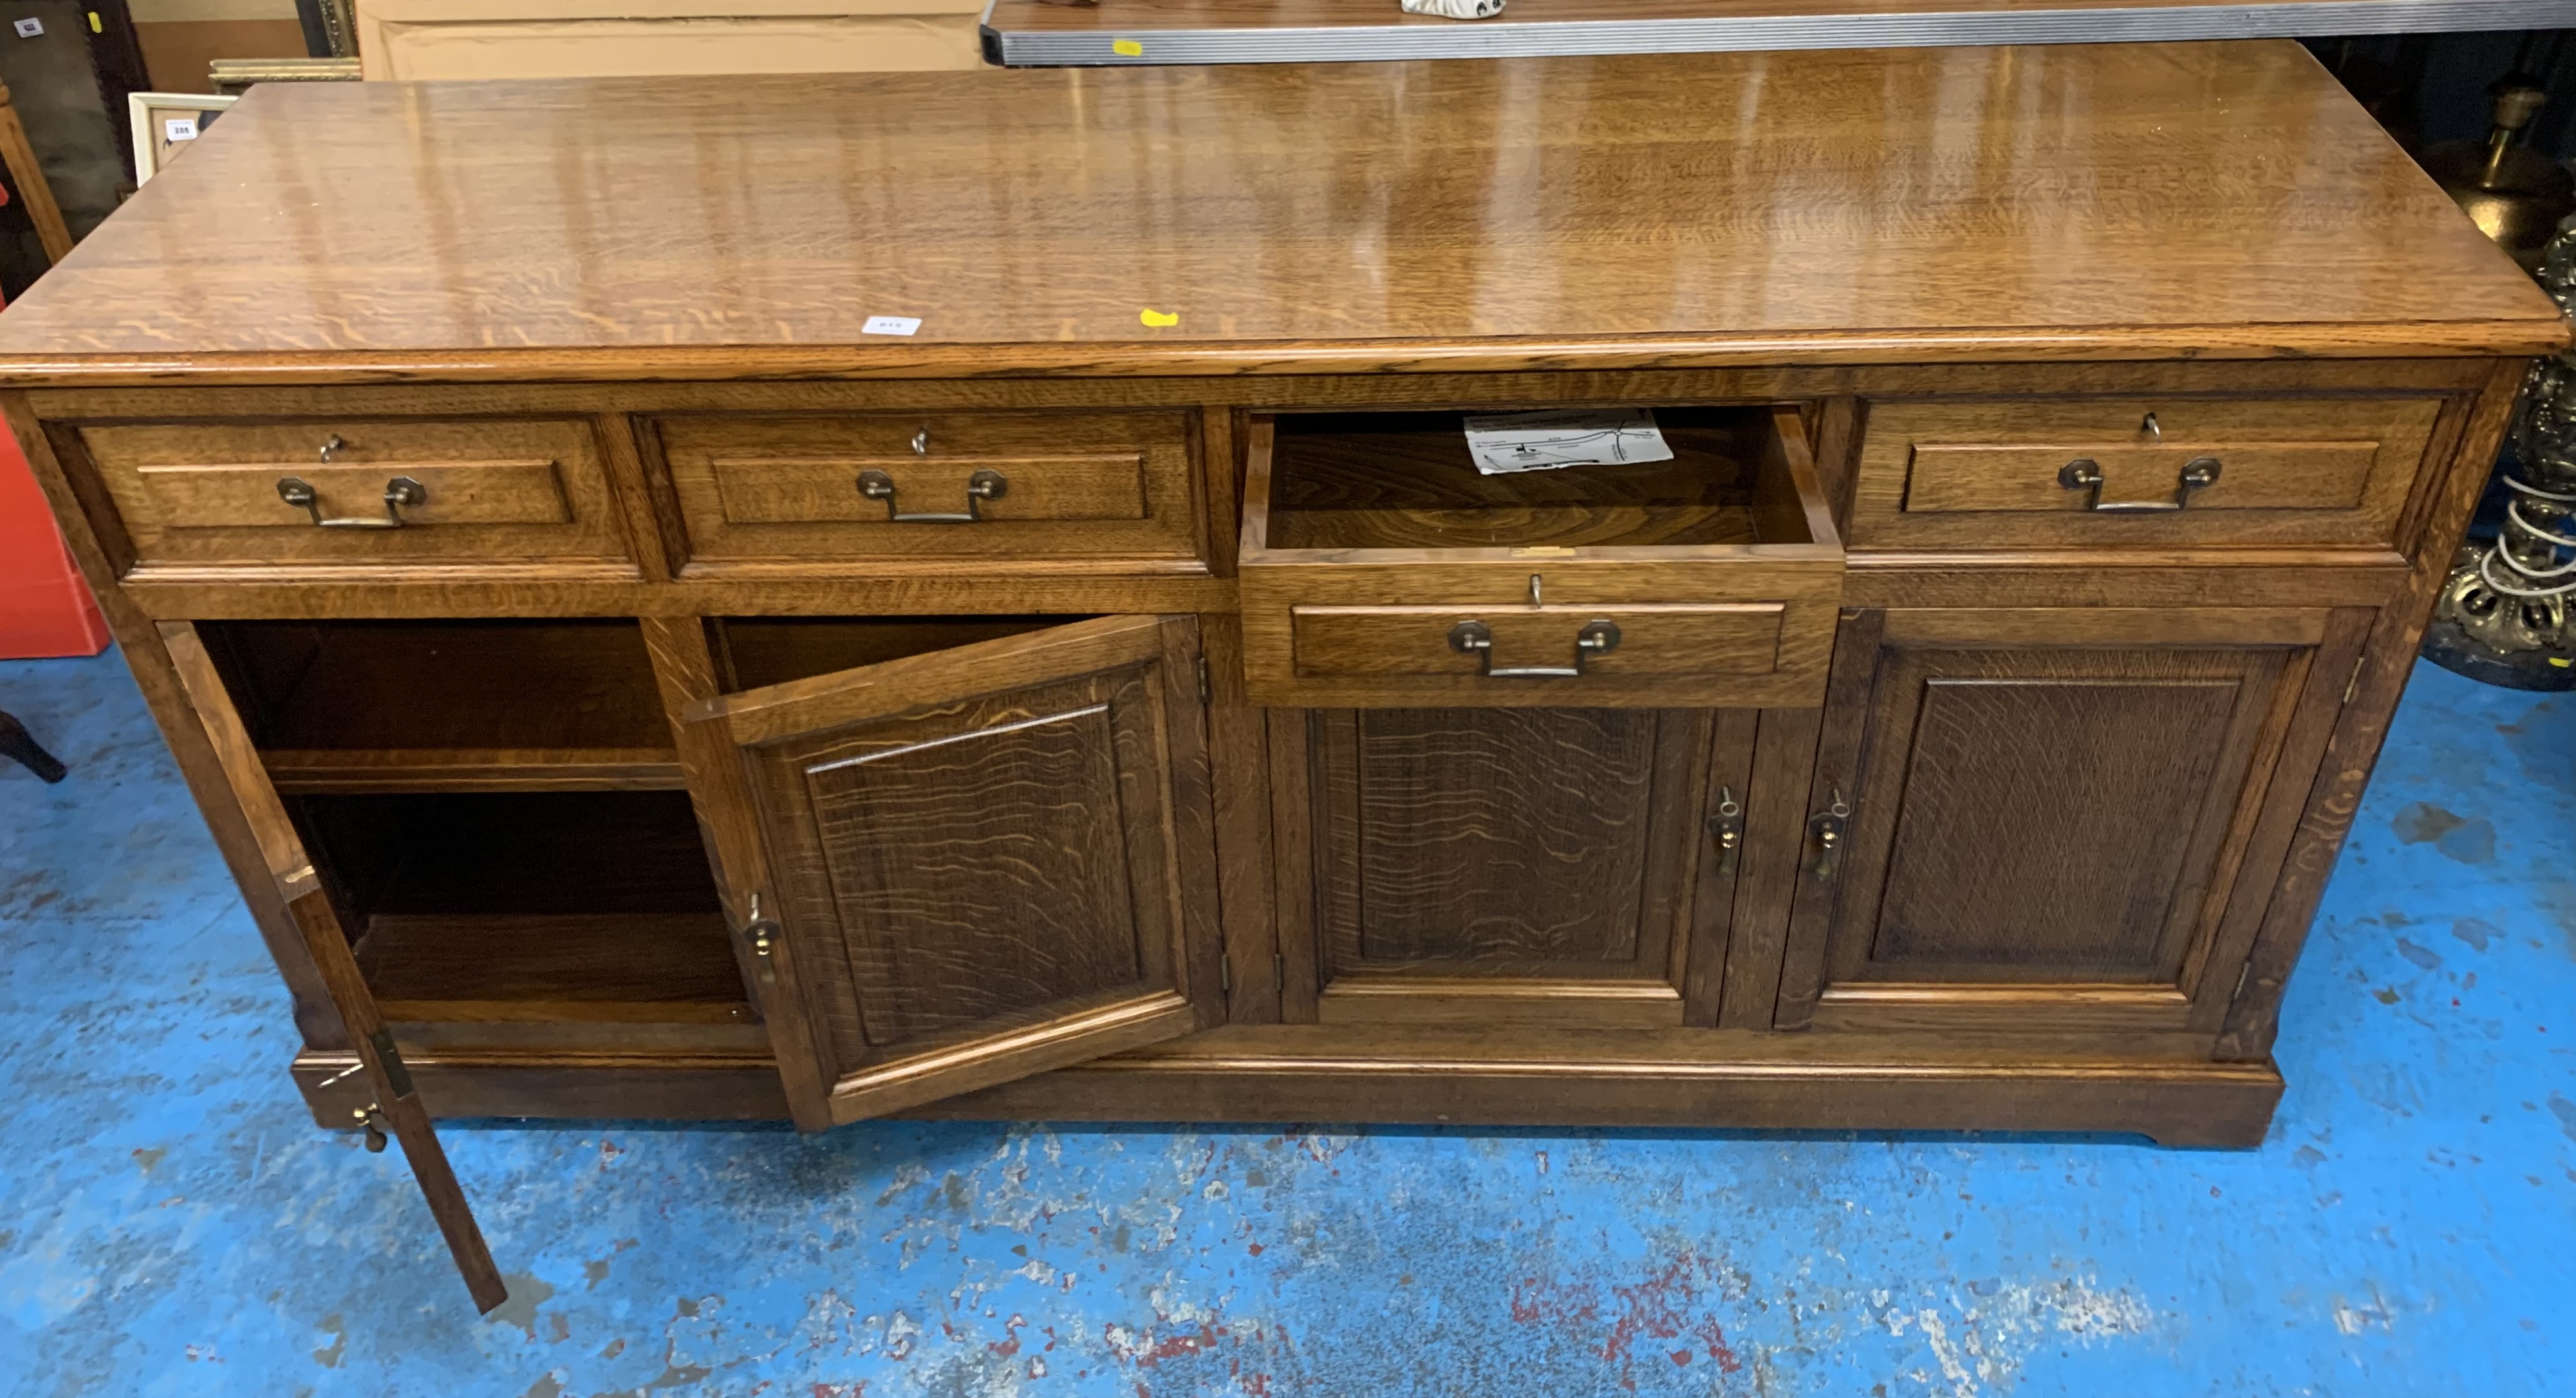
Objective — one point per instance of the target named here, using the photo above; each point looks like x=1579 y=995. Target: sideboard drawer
x=900 y=488
x=1379 y=570
x=2096 y=473
x=332 y=493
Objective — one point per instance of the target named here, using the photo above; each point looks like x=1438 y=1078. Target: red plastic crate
x=45 y=608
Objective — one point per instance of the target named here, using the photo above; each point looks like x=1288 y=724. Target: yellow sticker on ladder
x=1158 y=319
x=1126 y=48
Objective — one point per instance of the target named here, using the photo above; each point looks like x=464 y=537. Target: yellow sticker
x=94 y=26
x=1157 y=318
x=1126 y=48
x=2559 y=661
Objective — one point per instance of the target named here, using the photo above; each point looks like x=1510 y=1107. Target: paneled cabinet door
x=397 y=1108
x=2059 y=820
x=972 y=865
x=1535 y=865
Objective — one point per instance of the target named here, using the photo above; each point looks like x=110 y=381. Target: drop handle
x=1829 y=828
x=980 y=487
x=1477 y=639
x=2085 y=474
x=1727 y=828
x=399 y=492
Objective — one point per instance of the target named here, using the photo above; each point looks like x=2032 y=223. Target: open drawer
x=1380 y=569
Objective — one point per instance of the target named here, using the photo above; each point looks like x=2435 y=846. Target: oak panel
x=1405 y=480
x=1501 y=1074
x=1459 y=865
x=1986 y=474
x=1071 y=485
x=552 y=968
x=394 y=1095
x=503 y=491
x=2057 y=883
x=2051 y=815
x=957 y=910
x=486 y=704
x=991 y=860
x=1504 y=835
x=1670 y=639
x=1350 y=617
x=2176 y=200
x=457 y=492
x=1048 y=489
x=2370 y=698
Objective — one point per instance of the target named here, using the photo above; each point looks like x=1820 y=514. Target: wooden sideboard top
x=2072 y=202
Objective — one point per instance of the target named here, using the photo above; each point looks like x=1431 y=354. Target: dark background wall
x=2430 y=88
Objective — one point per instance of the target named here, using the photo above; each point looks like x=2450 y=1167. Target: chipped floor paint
x=173 y=1223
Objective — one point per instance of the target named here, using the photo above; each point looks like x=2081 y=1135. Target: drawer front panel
x=880 y=489
x=2089 y=473
x=1721 y=634
x=503 y=491
x=1666 y=640
x=1035 y=488
x=452 y=492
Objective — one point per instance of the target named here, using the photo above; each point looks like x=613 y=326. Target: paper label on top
x=179 y=128
x=30 y=28
x=890 y=325
x=1501 y=443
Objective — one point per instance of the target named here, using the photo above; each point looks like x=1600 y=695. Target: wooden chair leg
x=29 y=176
x=16 y=742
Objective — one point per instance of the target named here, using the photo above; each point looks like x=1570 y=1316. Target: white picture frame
x=154 y=118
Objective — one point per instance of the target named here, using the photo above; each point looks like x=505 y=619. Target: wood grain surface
x=2327 y=471
x=1073 y=485
x=957 y=908
x=2076 y=201
x=2054 y=814
x=1487 y=835
x=989 y=860
x=1405 y=480
x=396 y=1094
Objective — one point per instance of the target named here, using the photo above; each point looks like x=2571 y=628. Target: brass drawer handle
x=981 y=486
x=400 y=491
x=1477 y=639
x=2085 y=474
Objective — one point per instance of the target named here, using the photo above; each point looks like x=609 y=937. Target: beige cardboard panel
x=557 y=40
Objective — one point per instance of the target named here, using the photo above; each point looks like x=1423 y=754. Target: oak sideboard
x=965 y=594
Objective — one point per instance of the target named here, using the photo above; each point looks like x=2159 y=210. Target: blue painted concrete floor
x=172 y=1223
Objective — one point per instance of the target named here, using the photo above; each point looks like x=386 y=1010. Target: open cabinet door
x=397 y=1103
x=971 y=865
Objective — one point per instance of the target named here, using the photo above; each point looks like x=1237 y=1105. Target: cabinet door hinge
x=1279 y=973
x=1206 y=693
x=2353 y=685
x=2243 y=974
x=1225 y=976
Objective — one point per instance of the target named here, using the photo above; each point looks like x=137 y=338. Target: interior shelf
x=388 y=706
x=656 y=968
x=762 y=651
x=1405 y=480
x=530 y=907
